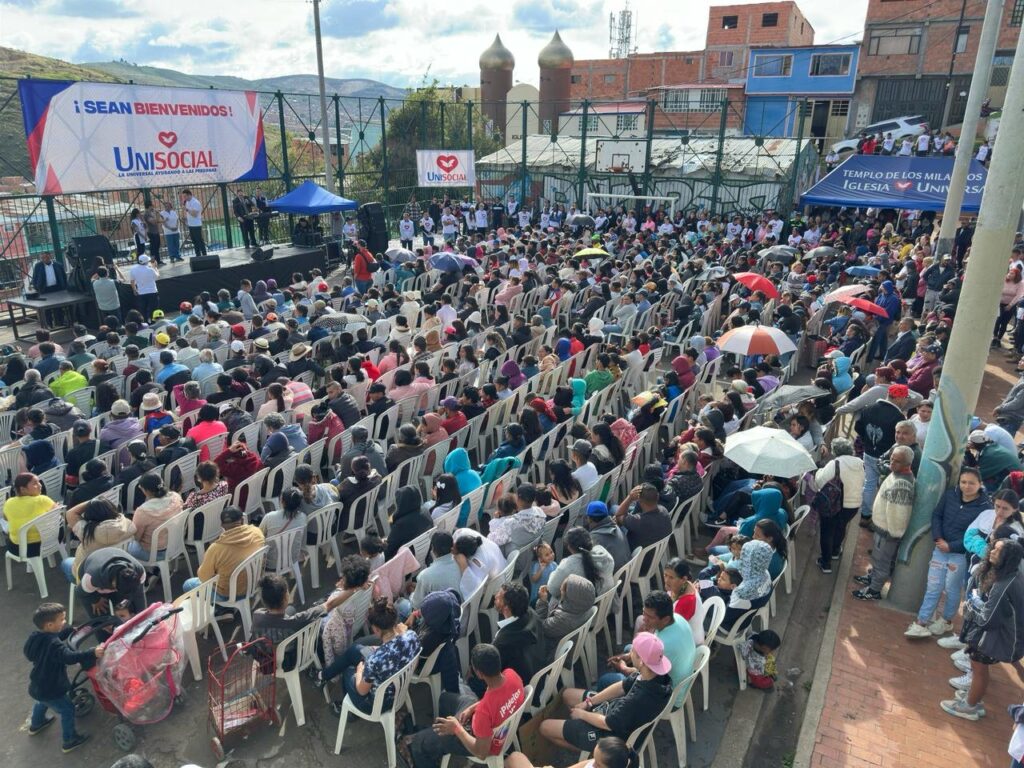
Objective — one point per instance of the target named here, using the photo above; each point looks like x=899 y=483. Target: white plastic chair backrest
x=53 y=481
x=185 y=470
x=420 y=546
x=650 y=559
x=549 y=675
x=198 y=604
x=304 y=643
x=320 y=523
x=712 y=614
x=48 y=526
x=250 y=490
x=170 y=537
x=577 y=635
x=283 y=545
x=507 y=730
x=449 y=520
x=798 y=518
x=251 y=569
x=739 y=627
x=215 y=446
x=493 y=583
x=603 y=605
x=470 y=613
x=358 y=606
x=210 y=512
x=682 y=688
x=399 y=683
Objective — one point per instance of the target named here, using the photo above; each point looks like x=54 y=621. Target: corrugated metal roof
x=740 y=155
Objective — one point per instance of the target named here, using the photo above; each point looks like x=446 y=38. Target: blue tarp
x=310 y=198
x=886 y=181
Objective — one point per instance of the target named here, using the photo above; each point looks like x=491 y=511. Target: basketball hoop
x=617 y=169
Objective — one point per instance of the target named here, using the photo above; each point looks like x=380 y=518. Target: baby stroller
x=139 y=676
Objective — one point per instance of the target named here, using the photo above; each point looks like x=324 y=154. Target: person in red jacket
x=454 y=418
x=237 y=463
x=363 y=267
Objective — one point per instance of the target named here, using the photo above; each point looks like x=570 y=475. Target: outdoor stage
x=178 y=283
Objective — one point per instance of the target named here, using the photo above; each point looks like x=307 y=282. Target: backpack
x=828 y=502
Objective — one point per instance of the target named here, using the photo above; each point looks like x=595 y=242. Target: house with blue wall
x=779 y=79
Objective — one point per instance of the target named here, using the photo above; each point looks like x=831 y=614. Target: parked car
x=913 y=125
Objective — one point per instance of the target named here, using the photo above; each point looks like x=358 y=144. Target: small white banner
x=445 y=168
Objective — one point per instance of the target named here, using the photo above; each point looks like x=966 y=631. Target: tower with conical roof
x=496 y=65
x=555 y=62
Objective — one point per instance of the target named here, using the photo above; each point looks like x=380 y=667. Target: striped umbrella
x=756 y=340
x=846 y=290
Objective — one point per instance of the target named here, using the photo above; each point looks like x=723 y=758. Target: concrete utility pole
x=968 y=351
x=969 y=127
x=324 y=122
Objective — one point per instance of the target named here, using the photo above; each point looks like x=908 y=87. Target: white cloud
x=397 y=45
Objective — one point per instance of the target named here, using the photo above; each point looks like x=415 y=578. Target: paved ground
x=881 y=707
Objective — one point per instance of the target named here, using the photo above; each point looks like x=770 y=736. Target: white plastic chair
x=248 y=495
x=578 y=638
x=469 y=620
x=420 y=546
x=678 y=717
x=241 y=599
x=48 y=527
x=507 y=732
x=715 y=608
x=171 y=534
x=197 y=616
x=491 y=587
x=801 y=515
x=304 y=644
x=399 y=683
x=283 y=545
x=210 y=513
x=422 y=674
x=320 y=523
x=735 y=637
x=545 y=680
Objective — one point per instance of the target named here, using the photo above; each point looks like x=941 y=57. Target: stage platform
x=178 y=283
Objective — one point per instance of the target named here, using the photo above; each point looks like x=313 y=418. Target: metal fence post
x=651 y=109
x=716 y=180
x=340 y=172
x=384 y=160
x=795 y=170
x=227 y=214
x=285 y=169
x=522 y=170
x=581 y=175
x=51 y=215
x=442 y=123
x=423 y=124
x=469 y=125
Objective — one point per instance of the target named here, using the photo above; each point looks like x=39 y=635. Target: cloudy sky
x=395 y=41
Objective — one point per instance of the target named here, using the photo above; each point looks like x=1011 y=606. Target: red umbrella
x=756 y=282
x=862 y=304
x=857 y=289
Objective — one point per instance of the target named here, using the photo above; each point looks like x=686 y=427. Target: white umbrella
x=764 y=451
x=399 y=255
x=756 y=340
x=847 y=290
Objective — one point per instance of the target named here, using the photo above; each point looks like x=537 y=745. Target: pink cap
x=651 y=651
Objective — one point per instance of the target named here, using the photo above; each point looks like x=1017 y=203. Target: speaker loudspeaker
x=204 y=263
x=262 y=254
x=373 y=229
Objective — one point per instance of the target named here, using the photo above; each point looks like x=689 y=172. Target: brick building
x=906 y=53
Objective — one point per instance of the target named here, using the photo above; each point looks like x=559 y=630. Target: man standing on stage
x=240 y=209
x=263 y=219
x=172 y=233
x=151 y=217
x=194 y=220
x=143 y=278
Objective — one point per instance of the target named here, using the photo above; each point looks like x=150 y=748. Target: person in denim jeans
x=947 y=572
x=876 y=429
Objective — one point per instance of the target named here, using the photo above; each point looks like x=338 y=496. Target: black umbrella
x=581 y=220
x=783 y=253
x=787 y=394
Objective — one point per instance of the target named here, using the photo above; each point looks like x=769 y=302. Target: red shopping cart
x=242 y=691
x=139 y=676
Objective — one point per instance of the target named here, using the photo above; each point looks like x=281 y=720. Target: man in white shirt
x=427 y=228
x=666 y=229
x=585 y=472
x=143 y=279
x=888 y=144
x=512 y=206
x=983 y=152
x=194 y=221
x=171 y=229
x=480 y=219
x=906 y=147
x=629 y=224
x=924 y=142
x=406 y=231
x=775 y=224
x=524 y=216
x=449 y=225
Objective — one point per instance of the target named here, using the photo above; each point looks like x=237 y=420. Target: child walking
x=50 y=655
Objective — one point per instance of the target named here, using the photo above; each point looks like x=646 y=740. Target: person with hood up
x=441 y=613
x=842 y=380
x=947 y=571
x=756 y=587
x=430 y=429
x=408 y=522
x=513 y=444
x=684 y=370
x=457 y=463
x=236 y=463
x=108 y=576
x=888 y=300
x=562 y=349
x=510 y=370
x=579 y=395
x=768 y=505
x=567 y=611
x=408 y=444
x=363 y=478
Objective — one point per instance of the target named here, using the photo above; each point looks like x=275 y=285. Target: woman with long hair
x=20 y=510
x=608 y=451
x=279 y=400
x=584 y=558
x=97 y=523
x=160 y=506
x=561 y=483
x=1012 y=293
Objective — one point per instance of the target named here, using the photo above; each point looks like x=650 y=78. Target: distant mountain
x=356 y=94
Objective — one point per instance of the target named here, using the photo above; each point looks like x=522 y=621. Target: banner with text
x=446 y=168
x=90 y=136
x=904 y=183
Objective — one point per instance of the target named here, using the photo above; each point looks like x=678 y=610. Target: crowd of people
x=522 y=424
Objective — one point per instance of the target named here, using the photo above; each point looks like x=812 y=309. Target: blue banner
x=886 y=181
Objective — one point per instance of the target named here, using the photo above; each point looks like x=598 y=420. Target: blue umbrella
x=446 y=262
x=860 y=270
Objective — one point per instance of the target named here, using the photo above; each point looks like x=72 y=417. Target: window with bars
x=839 y=108
x=626 y=123
x=963 y=34
x=692 y=100
x=1017 y=13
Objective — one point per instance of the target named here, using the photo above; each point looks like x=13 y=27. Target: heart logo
x=903 y=186
x=447 y=163
x=167 y=138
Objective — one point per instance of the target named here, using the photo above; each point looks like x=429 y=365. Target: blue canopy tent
x=309 y=198
x=886 y=181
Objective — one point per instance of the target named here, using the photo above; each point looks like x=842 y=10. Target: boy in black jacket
x=48 y=682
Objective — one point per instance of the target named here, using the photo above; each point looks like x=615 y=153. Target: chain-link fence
x=686 y=149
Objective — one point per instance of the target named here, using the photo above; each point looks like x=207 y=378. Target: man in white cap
x=143 y=278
